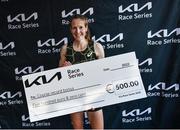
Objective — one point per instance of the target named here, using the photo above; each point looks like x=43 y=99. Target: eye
x=81 y=27
x=73 y=28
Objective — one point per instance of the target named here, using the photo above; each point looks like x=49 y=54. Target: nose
x=77 y=30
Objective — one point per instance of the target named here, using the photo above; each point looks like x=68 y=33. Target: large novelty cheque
x=83 y=86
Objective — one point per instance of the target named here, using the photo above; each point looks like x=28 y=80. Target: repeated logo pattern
x=32 y=34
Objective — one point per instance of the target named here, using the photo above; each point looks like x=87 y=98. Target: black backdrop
x=32 y=32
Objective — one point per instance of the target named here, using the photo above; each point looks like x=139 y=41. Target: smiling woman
x=82 y=49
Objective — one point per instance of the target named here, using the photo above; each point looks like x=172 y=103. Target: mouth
x=78 y=36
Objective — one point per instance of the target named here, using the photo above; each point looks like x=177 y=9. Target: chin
x=79 y=39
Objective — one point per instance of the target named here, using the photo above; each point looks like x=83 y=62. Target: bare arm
x=99 y=50
x=62 y=55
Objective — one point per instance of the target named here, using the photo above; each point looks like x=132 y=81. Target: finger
x=66 y=63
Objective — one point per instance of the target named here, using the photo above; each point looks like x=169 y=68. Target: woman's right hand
x=66 y=63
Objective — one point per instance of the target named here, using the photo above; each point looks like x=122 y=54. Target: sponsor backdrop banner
x=32 y=33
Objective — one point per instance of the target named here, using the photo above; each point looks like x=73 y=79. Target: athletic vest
x=76 y=57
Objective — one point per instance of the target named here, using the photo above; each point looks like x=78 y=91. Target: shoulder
x=64 y=46
x=99 y=50
x=98 y=45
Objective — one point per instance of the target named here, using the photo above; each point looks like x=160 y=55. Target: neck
x=80 y=45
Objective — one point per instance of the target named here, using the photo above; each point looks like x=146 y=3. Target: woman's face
x=78 y=29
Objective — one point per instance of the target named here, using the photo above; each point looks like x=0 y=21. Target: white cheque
x=83 y=86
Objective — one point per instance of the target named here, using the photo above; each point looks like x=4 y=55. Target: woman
x=81 y=50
